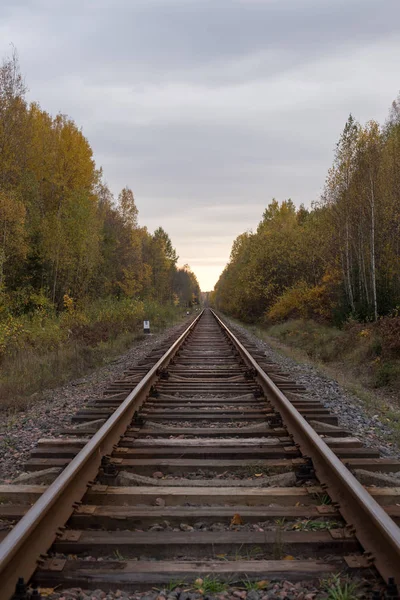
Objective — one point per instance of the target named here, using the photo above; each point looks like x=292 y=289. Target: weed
x=337 y=588
x=238 y=555
x=171 y=585
x=323 y=499
x=210 y=585
x=257 y=468
x=118 y=555
x=250 y=585
x=254 y=552
x=311 y=525
x=251 y=553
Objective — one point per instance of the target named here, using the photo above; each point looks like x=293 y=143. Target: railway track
x=204 y=460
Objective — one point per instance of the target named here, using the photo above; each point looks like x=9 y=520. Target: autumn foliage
x=78 y=274
x=340 y=259
x=65 y=241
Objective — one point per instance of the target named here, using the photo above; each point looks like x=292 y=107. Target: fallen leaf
x=236 y=519
x=258 y=474
x=262 y=584
x=220 y=555
x=288 y=557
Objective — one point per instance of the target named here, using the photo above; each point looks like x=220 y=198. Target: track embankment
x=205 y=470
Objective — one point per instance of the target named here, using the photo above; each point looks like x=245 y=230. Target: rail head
x=36 y=531
x=376 y=531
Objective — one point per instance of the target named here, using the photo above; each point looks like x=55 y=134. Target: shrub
x=11 y=335
x=301 y=301
x=388 y=329
x=37 y=351
x=385 y=373
x=318 y=341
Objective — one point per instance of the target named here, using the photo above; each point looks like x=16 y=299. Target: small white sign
x=146 y=324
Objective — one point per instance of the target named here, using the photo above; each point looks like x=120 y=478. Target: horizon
x=207 y=111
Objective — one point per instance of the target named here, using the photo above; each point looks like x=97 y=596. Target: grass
x=210 y=585
x=340 y=588
x=171 y=585
x=255 y=468
x=354 y=357
x=353 y=350
x=313 y=525
x=319 y=342
x=250 y=585
x=252 y=553
x=44 y=351
x=323 y=499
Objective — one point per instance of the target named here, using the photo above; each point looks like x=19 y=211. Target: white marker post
x=146 y=326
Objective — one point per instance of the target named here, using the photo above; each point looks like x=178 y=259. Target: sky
x=207 y=109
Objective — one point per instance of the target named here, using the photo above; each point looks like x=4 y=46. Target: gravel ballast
x=51 y=410
x=267 y=590
x=348 y=407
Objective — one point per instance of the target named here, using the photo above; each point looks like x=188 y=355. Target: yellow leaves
x=236 y=520
x=261 y=585
x=128 y=208
x=68 y=303
x=45 y=591
x=365 y=333
x=77 y=238
x=12 y=333
x=299 y=526
x=12 y=227
x=288 y=557
x=301 y=301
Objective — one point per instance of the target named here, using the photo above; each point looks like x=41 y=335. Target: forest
x=75 y=265
x=336 y=263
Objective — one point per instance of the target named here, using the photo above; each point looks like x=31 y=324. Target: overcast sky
x=209 y=108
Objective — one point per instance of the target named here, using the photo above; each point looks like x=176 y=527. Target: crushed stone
x=349 y=409
x=51 y=410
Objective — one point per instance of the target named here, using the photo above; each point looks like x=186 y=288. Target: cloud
x=209 y=109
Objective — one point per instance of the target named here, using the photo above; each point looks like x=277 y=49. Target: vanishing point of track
x=163 y=474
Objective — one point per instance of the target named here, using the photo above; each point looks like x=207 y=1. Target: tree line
x=338 y=259
x=62 y=233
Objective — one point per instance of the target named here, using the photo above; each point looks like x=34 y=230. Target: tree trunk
x=348 y=277
x=373 y=268
x=364 y=274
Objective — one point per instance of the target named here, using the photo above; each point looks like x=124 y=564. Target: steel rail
x=35 y=532
x=374 y=529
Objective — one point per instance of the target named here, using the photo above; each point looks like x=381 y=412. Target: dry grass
x=30 y=372
x=352 y=363
x=45 y=358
